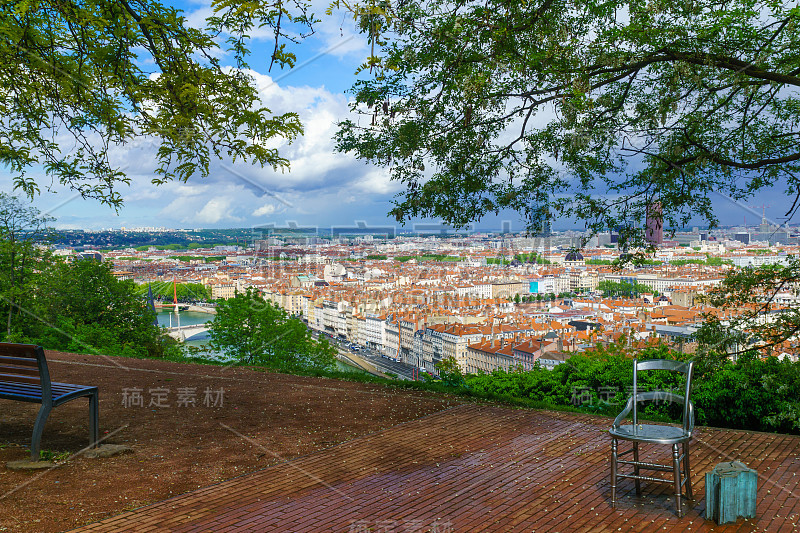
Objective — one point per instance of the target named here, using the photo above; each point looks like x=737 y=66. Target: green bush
x=255 y=331
x=751 y=393
x=82 y=307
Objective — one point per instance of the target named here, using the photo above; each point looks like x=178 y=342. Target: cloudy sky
x=323 y=188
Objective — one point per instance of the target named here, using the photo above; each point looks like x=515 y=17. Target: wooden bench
x=24 y=377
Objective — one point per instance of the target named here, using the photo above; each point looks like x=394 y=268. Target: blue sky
x=323 y=188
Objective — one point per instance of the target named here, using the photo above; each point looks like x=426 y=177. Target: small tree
x=81 y=306
x=450 y=372
x=21 y=228
x=254 y=331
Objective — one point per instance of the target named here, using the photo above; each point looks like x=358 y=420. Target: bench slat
x=24 y=376
x=23 y=370
x=27 y=394
x=65 y=387
x=69 y=387
x=18 y=350
x=35 y=393
x=55 y=385
x=19 y=386
x=22 y=361
x=23 y=391
x=10 y=378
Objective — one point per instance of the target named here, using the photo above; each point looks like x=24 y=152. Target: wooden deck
x=477 y=468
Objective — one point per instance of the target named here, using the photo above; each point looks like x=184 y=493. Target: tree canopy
x=22 y=228
x=75 y=306
x=589 y=110
x=623 y=288
x=186 y=292
x=254 y=331
x=748 y=394
x=82 y=307
x=752 y=315
x=81 y=78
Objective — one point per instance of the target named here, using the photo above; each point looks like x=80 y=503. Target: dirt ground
x=189 y=425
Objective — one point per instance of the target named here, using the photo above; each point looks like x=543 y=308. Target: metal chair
x=678 y=437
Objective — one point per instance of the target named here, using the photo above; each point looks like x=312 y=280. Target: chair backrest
x=663 y=364
x=25 y=364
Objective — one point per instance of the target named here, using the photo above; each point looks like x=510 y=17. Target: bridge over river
x=183 y=333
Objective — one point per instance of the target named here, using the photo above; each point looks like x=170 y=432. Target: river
x=187 y=318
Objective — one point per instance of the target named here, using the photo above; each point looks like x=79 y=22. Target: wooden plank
x=22 y=370
x=18 y=350
x=11 y=378
x=748 y=489
x=728 y=505
x=22 y=361
x=19 y=386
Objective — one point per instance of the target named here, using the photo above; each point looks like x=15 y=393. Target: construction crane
x=763 y=208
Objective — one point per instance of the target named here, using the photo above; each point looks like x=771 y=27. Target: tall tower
x=544 y=216
x=654 y=233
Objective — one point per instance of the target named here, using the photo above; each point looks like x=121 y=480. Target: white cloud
x=197 y=18
x=315 y=165
x=139 y=193
x=377 y=181
x=217 y=206
x=216 y=210
x=265 y=210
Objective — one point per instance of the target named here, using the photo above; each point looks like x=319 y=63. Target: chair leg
x=38 y=428
x=687 y=471
x=676 y=471
x=638 y=483
x=613 y=472
x=94 y=420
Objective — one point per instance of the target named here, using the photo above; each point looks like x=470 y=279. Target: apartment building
x=223 y=289
x=392 y=331
x=510 y=288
